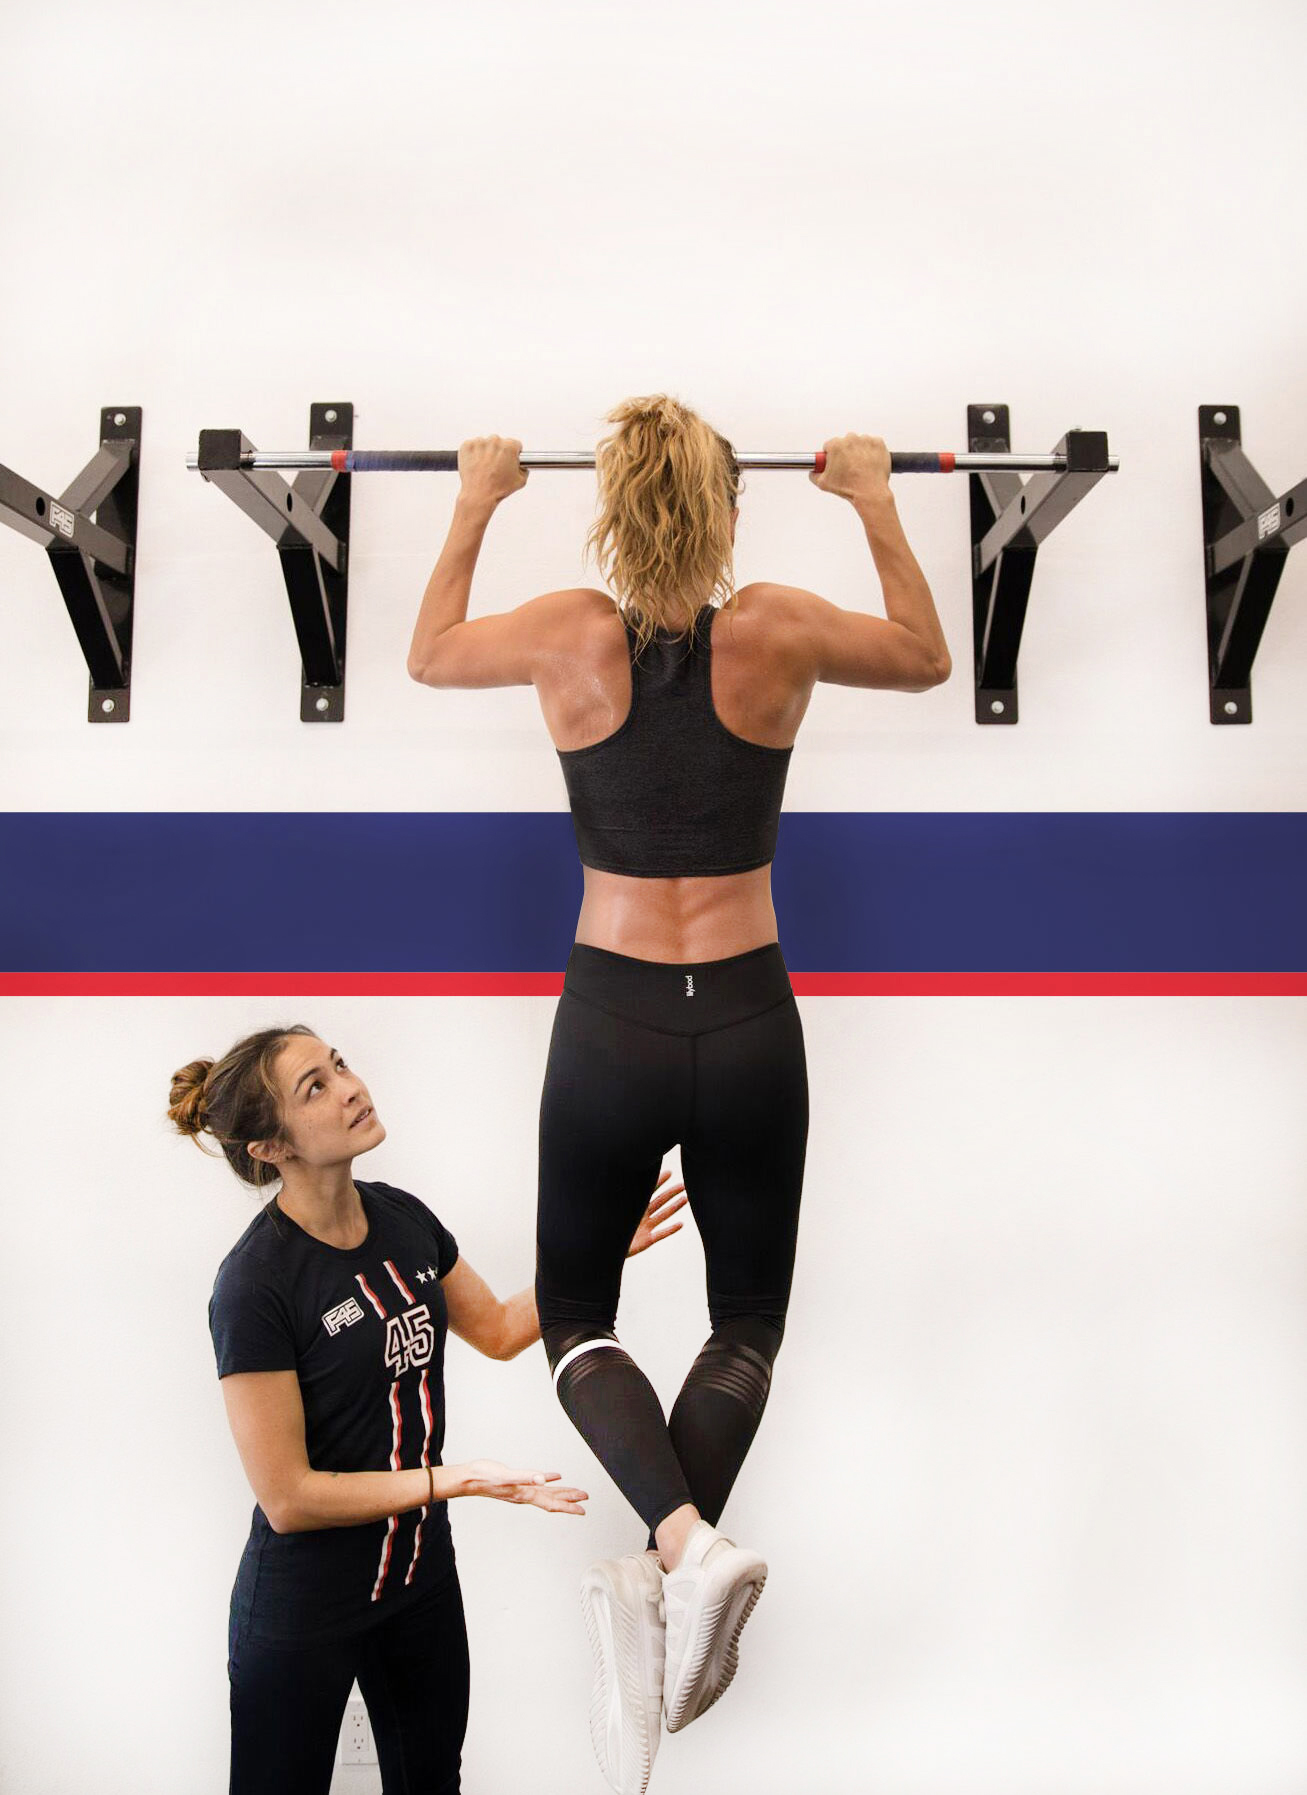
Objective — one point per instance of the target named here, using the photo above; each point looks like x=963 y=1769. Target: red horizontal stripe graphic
x=280 y=984
x=1050 y=984
x=549 y=984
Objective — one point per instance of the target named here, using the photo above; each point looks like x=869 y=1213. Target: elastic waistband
x=676 y=998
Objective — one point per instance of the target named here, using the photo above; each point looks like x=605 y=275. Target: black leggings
x=645 y=1056
x=288 y=1701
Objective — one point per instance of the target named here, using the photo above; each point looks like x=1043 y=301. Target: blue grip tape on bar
x=403 y=461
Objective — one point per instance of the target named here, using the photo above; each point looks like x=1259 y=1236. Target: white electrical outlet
x=356 y=1745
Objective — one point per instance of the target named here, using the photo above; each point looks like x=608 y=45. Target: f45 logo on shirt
x=410 y=1339
x=344 y=1315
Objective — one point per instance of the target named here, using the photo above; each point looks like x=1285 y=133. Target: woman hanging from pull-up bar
x=677 y=1023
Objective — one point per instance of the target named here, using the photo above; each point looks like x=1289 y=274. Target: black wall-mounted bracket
x=1247 y=535
x=89 y=533
x=1009 y=519
x=309 y=522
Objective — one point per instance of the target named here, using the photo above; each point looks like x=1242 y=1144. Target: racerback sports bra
x=672 y=793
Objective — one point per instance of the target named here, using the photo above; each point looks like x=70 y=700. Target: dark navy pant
x=288 y=1701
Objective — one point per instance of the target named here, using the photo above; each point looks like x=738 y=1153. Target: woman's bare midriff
x=677 y=921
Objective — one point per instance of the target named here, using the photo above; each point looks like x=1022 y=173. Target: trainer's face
x=327 y=1114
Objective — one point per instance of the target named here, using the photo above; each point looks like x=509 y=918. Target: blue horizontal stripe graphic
x=498 y=892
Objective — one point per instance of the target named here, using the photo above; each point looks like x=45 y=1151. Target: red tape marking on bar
x=821 y=462
x=947 y=462
x=340 y=460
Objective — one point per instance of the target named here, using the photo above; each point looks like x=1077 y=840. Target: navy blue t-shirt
x=363 y=1328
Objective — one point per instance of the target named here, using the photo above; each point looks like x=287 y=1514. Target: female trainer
x=329 y=1318
x=673 y=710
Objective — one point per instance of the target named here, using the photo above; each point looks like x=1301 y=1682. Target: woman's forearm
x=521 y=1324
x=908 y=599
x=349 y=1498
x=444 y=603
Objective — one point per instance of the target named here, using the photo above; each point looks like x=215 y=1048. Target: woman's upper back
x=760 y=686
x=675 y=752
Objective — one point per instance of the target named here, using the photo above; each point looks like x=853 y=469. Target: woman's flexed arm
x=906 y=649
x=446 y=649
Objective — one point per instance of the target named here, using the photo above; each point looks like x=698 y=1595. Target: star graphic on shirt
x=432 y=1273
x=422 y=1277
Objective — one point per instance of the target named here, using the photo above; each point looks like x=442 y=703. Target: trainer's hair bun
x=186 y=1105
x=235 y=1100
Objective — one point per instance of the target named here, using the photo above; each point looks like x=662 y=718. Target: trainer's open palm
x=540 y=1489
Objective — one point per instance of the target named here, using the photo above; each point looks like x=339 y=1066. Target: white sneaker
x=622 y=1601
x=708 y=1598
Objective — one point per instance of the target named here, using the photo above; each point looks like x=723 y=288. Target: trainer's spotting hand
x=654 y=1223
x=489 y=468
x=487 y=1477
x=857 y=468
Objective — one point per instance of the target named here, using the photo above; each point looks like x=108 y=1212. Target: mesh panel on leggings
x=586 y=1363
x=615 y=1408
x=735 y=1370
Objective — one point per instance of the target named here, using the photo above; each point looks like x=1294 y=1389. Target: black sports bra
x=672 y=793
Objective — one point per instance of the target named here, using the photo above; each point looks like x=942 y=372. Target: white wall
x=1030 y=1483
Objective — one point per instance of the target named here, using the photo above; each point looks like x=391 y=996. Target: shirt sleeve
x=446 y=1247
x=445 y=1244
x=250 y=1323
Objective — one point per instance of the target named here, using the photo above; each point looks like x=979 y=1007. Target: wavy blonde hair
x=668 y=483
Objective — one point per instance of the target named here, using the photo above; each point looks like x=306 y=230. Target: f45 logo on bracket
x=410 y=1339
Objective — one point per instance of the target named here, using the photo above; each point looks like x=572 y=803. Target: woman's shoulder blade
x=765 y=598
x=573 y=602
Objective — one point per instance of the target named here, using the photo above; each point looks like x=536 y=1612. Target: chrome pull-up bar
x=308 y=520
x=445 y=461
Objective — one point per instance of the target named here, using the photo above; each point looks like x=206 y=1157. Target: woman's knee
x=567 y=1340
x=760 y=1328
